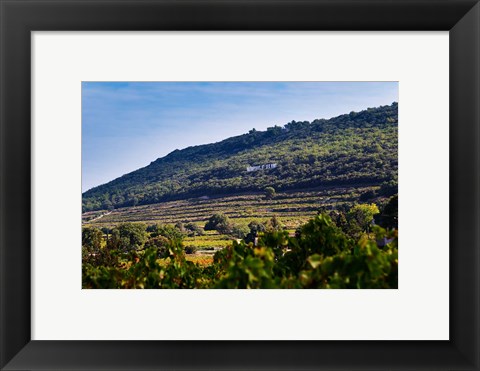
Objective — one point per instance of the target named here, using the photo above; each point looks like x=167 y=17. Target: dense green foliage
x=321 y=254
x=351 y=149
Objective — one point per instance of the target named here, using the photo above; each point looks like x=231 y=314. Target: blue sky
x=127 y=125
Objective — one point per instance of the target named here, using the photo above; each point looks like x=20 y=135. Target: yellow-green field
x=291 y=209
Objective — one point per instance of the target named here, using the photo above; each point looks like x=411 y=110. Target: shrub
x=193 y=230
x=190 y=249
x=216 y=220
x=159 y=243
x=269 y=192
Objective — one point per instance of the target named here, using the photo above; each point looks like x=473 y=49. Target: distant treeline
x=356 y=148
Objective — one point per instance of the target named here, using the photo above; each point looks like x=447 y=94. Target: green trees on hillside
x=353 y=149
x=220 y=223
x=128 y=236
x=168 y=231
x=223 y=225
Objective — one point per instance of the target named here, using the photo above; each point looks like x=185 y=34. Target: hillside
x=358 y=148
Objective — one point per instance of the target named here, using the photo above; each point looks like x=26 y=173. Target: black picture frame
x=19 y=17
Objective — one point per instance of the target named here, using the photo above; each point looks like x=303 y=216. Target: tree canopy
x=359 y=148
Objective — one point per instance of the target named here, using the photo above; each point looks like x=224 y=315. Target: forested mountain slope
x=355 y=148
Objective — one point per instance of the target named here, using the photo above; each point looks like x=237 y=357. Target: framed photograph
x=218 y=147
x=219 y=209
